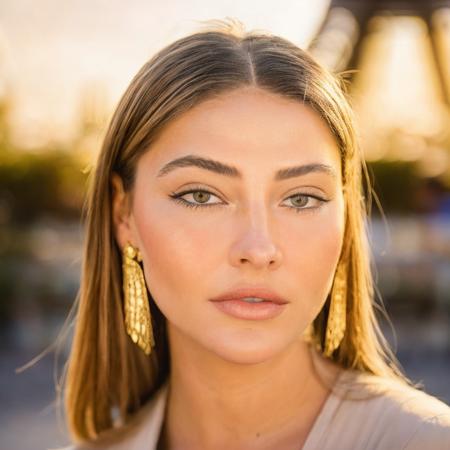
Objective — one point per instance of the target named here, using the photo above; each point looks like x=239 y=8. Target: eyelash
x=177 y=197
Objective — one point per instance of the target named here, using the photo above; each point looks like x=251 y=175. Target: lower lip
x=250 y=311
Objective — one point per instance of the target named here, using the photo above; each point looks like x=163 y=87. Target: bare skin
x=238 y=383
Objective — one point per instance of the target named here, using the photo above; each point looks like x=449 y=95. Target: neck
x=214 y=403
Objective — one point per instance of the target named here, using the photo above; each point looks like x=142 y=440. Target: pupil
x=200 y=196
x=301 y=198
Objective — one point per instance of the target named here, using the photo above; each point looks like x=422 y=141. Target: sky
x=52 y=51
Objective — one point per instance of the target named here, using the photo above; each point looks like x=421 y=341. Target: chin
x=246 y=349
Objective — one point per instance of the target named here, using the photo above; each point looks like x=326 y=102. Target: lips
x=252 y=291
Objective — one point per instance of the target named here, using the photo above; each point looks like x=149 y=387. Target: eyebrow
x=230 y=171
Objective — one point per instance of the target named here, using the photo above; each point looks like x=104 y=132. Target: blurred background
x=63 y=67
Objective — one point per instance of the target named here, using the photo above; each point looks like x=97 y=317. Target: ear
x=121 y=212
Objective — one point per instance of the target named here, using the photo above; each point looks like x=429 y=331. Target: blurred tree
x=51 y=182
x=395 y=185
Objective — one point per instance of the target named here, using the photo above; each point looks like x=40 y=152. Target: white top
x=379 y=415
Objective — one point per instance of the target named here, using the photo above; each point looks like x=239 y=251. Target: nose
x=255 y=246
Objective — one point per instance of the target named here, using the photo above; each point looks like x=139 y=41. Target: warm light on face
x=244 y=189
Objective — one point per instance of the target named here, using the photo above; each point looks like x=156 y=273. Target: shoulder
x=434 y=432
x=394 y=413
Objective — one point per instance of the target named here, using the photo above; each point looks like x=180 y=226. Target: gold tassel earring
x=337 y=314
x=138 y=321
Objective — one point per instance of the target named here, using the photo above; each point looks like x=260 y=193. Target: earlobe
x=120 y=213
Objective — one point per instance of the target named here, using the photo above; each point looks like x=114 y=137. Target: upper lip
x=251 y=291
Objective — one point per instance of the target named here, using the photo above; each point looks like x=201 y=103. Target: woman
x=226 y=298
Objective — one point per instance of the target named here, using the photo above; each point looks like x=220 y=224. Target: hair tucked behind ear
x=106 y=372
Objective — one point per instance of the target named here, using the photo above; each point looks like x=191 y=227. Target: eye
x=300 y=201
x=201 y=197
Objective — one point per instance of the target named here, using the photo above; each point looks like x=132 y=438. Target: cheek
x=324 y=249
x=175 y=270
x=315 y=254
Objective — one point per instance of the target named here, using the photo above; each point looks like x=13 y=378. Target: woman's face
x=254 y=228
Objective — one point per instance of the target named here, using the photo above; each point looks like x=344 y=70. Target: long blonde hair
x=106 y=371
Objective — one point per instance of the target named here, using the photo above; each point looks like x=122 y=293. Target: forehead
x=249 y=126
